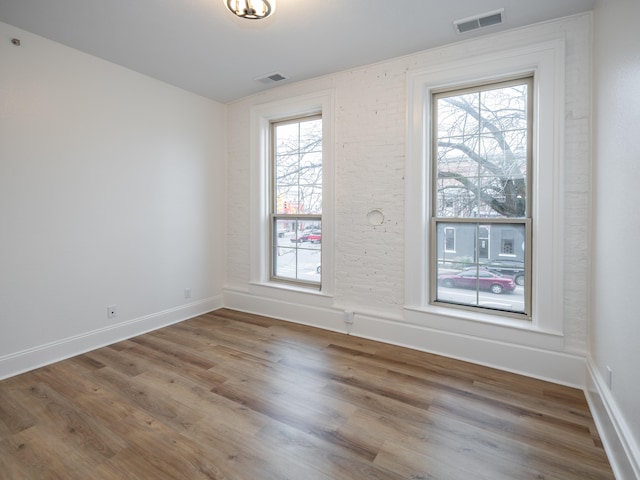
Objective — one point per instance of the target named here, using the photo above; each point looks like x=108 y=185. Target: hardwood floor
x=229 y=395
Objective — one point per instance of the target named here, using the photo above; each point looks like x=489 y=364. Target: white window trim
x=261 y=117
x=546 y=61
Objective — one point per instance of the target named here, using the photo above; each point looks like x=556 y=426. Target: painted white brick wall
x=577 y=181
x=370 y=148
x=370 y=156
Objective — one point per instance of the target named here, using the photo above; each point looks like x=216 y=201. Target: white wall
x=370 y=155
x=111 y=192
x=615 y=319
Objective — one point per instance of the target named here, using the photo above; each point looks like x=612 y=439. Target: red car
x=314 y=236
x=481 y=279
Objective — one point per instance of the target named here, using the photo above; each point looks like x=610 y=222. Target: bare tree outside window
x=481 y=170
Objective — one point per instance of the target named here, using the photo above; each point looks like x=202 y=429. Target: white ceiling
x=201 y=47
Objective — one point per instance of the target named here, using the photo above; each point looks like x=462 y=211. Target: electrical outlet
x=112 y=311
x=187 y=293
x=348 y=318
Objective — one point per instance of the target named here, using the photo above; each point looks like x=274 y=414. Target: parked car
x=512 y=268
x=301 y=237
x=478 y=278
x=315 y=236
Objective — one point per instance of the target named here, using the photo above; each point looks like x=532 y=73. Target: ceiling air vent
x=271 y=78
x=479 y=21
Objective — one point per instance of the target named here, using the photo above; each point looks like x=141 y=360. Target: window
x=483 y=242
x=277 y=218
x=540 y=323
x=296 y=200
x=481 y=165
x=450 y=239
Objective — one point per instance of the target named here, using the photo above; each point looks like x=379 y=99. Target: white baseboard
x=23 y=361
x=313 y=315
x=623 y=452
x=557 y=367
x=553 y=366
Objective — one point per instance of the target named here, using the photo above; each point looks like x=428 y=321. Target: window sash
x=296 y=251
x=474 y=259
x=472 y=89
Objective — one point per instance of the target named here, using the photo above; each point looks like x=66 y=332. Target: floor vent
x=483 y=20
x=271 y=78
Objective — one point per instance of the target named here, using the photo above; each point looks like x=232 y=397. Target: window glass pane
x=487 y=268
x=286 y=173
x=297 y=251
x=451 y=121
x=454 y=199
x=287 y=139
x=482 y=143
x=285 y=227
x=298 y=166
x=311 y=135
x=310 y=181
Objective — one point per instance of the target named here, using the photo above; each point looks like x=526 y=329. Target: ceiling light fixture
x=251 y=9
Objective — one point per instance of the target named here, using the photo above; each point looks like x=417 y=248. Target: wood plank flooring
x=229 y=395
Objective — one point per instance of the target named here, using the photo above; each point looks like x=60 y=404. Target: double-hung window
x=291 y=230
x=481 y=196
x=296 y=200
x=486 y=159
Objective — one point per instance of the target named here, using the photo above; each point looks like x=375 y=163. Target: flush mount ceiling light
x=251 y=9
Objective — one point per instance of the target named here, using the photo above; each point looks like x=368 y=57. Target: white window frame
x=260 y=229
x=546 y=62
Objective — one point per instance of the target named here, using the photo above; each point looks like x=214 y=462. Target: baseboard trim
x=556 y=367
x=32 y=358
x=312 y=315
x=553 y=366
x=623 y=452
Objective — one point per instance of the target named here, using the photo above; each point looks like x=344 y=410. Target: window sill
x=494 y=319
x=288 y=287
